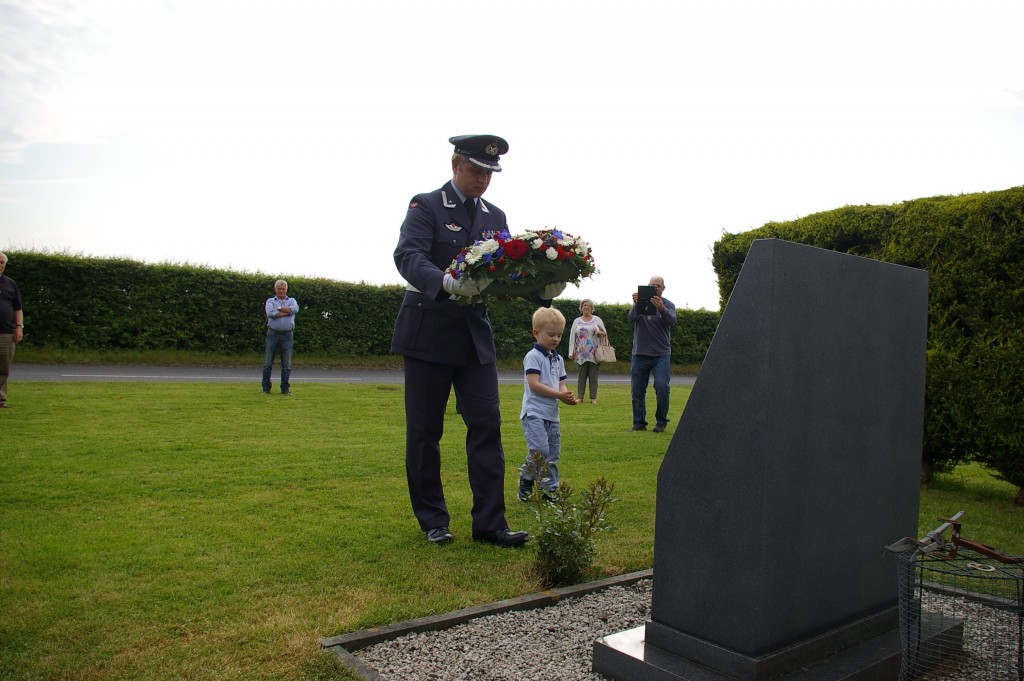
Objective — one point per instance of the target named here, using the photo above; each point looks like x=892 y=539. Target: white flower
x=551 y=253
x=489 y=246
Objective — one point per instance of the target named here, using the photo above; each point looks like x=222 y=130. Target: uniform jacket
x=430 y=325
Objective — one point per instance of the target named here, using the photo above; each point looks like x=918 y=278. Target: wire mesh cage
x=961 y=609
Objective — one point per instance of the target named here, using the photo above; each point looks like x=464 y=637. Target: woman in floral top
x=584 y=337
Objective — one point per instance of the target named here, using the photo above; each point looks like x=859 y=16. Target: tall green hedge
x=80 y=303
x=90 y=303
x=973 y=249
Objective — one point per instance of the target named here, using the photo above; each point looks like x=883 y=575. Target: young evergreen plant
x=565 y=538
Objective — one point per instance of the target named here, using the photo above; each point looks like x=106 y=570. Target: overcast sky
x=288 y=137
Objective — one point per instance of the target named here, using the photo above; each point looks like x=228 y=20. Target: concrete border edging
x=344 y=645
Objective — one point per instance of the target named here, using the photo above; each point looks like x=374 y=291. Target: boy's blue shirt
x=551 y=368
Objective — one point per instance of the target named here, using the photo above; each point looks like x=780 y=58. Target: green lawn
x=205 y=531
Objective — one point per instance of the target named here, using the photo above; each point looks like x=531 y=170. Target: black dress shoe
x=439 y=535
x=504 y=537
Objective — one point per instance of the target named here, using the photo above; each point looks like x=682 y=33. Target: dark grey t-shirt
x=652 y=334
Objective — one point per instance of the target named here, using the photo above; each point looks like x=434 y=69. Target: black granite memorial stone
x=796 y=460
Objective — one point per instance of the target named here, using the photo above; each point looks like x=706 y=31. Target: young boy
x=543 y=388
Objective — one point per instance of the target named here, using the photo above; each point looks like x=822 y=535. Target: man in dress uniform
x=448 y=345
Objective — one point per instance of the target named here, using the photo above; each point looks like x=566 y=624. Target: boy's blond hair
x=548 y=315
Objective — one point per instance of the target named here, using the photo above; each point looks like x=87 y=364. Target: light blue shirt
x=285 y=323
x=552 y=372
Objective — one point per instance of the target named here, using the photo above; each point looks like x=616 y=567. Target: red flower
x=516 y=249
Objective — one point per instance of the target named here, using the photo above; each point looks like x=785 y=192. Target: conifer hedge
x=972 y=247
x=78 y=303
x=111 y=303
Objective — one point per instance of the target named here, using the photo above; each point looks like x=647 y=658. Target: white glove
x=550 y=291
x=465 y=287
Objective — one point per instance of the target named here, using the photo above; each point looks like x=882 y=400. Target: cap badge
x=491 y=149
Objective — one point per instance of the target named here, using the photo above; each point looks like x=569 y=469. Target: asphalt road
x=25 y=371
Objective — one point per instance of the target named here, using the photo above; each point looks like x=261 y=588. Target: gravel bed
x=555 y=643
x=544 y=644
x=990 y=641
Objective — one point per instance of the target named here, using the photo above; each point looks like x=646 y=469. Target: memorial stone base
x=628 y=656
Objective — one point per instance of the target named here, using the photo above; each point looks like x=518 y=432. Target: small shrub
x=565 y=538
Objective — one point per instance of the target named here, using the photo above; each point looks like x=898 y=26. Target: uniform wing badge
x=452 y=227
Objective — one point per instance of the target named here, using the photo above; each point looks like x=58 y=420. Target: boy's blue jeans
x=643 y=366
x=545 y=437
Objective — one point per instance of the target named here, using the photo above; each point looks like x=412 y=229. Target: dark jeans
x=278 y=343
x=643 y=366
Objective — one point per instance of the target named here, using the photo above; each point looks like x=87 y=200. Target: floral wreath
x=524 y=263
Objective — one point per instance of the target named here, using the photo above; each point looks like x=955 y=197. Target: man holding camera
x=652 y=354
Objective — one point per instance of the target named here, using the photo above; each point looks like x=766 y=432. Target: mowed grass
x=204 y=531
x=207 y=531
x=989 y=516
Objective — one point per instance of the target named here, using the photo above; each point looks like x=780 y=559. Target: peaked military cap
x=482 y=150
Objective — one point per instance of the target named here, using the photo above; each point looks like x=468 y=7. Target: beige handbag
x=605 y=352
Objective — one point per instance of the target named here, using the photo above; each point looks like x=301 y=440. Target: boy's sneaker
x=525 y=489
x=551 y=496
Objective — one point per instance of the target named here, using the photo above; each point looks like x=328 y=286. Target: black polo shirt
x=10 y=301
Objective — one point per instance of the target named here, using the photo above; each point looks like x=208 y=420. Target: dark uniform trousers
x=447 y=345
x=427 y=389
